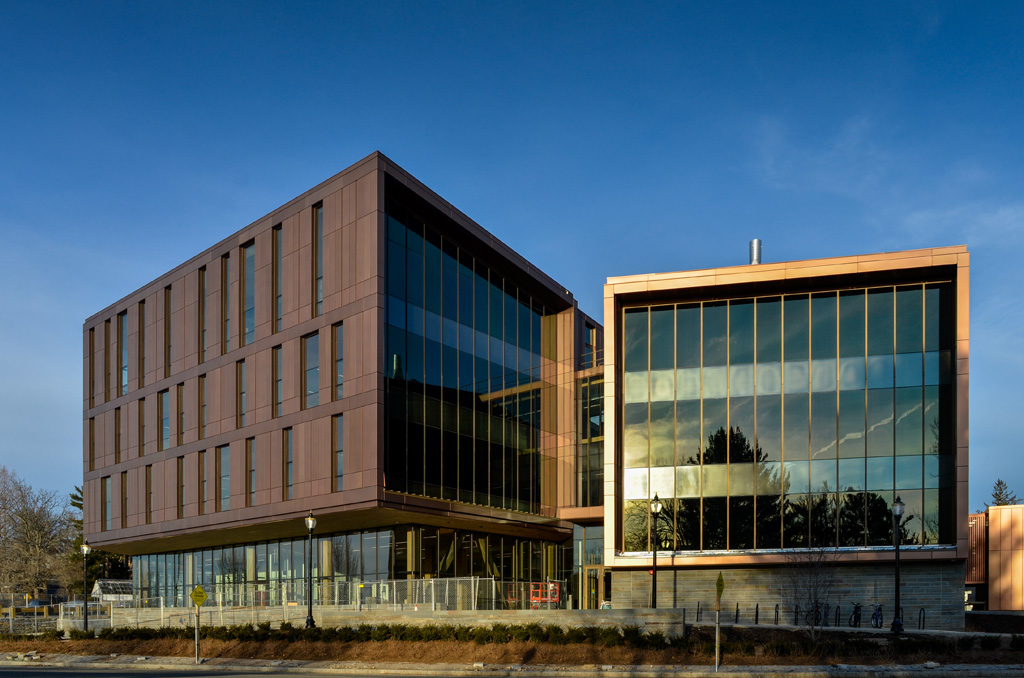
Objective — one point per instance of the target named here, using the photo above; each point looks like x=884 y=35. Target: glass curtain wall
x=411 y=552
x=590 y=451
x=789 y=421
x=463 y=374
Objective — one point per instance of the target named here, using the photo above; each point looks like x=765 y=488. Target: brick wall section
x=937 y=587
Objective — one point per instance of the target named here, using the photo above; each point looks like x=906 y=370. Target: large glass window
x=464 y=385
x=318 y=259
x=248 y=294
x=787 y=421
x=310 y=371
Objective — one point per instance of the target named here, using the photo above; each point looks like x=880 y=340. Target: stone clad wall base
x=938 y=587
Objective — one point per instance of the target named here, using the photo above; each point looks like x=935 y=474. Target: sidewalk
x=489 y=670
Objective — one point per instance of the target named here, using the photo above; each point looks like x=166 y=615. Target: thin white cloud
x=977 y=224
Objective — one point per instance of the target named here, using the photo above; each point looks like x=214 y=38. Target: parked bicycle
x=876 y=617
x=855 y=616
x=815 y=616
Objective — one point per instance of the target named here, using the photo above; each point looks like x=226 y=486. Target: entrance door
x=594 y=586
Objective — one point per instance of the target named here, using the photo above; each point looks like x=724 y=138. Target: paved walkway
x=591 y=671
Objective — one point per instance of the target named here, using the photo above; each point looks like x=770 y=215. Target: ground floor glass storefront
x=405 y=552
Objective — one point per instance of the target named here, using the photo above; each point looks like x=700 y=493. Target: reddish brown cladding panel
x=977 y=552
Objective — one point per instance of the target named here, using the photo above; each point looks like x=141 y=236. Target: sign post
x=198 y=597
x=719 y=587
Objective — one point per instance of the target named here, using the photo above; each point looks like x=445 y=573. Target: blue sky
x=638 y=138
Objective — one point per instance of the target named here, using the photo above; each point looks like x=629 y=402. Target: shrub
x=990 y=642
x=964 y=643
x=555 y=634
x=610 y=637
x=655 y=640
x=345 y=634
x=481 y=635
x=576 y=634
x=500 y=633
x=462 y=633
x=519 y=633
x=380 y=633
x=362 y=633
x=262 y=630
x=432 y=632
x=81 y=634
x=1017 y=642
x=633 y=636
x=535 y=633
x=52 y=634
x=680 y=642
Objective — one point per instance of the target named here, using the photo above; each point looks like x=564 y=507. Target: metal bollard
x=837 y=615
x=920 y=619
x=757 y=613
x=737 y=621
x=698 y=610
x=776 y=614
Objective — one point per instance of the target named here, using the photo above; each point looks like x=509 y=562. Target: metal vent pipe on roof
x=755 y=251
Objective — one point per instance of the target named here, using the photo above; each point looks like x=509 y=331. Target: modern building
x=780 y=409
x=995 y=564
x=365 y=352
x=369 y=353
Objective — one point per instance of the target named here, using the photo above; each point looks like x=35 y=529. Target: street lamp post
x=897 y=513
x=85 y=582
x=310 y=524
x=655 y=510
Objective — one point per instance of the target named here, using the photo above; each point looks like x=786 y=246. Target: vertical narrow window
x=276 y=387
x=318 y=259
x=142 y=427
x=201 y=482
x=278 y=258
x=168 y=332
x=142 y=343
x=181 y=487
x=106 y=361
x=201 y=407
x=149 y=494
x=92 y=443
x=286 y=458
x=339 y=361
x=122 y=352
x=201 y=315
x=240 y=398
x=92 y=367
x=124 y=499
x=337 y=463
x=589 y=339
x=105 y=503
x=247 y=295
x=117 y=435
x=250 y=472
x=225 y=303
x=179 y=414
x=310 y=371
x=163 y=406
x=223 y=462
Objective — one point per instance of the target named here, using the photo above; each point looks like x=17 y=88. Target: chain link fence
x=333 y=601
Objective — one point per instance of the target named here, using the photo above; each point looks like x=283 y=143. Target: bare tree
x=810 y=577
x=36 y=534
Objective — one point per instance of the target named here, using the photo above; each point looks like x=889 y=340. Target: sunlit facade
x=776 y=409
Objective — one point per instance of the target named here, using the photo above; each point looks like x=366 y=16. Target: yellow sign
x=198 y=596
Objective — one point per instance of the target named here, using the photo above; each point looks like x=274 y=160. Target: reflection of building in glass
x=779 y=408
x=446 y=410
x=393 y=367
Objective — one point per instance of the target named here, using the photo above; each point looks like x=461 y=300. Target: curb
x=87 y=662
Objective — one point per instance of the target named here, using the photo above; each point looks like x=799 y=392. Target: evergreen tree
x=1001 y=495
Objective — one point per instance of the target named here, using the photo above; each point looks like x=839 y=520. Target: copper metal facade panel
x=352 y=294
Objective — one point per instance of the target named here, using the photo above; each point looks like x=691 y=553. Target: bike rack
x=737 y=614
x=920 y=619
x=796 y=616
x=776 y=614
x=837 y=617
x=698 y=610
x=757 y=613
